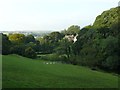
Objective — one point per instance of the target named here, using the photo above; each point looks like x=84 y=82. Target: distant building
x=71 y=38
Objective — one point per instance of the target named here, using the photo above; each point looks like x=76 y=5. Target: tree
x=103 y=32
x=110 y=45
x=17 y=38
x=85 y=37
x=18 y=49
x=6 y=44
x=0 y=43
x=73 y=30
x=112 y=63
x=115 y=29
x=30 y=53
x=29 y=38
x=55 y=36
x=49 y=42
x=88 y=55
x=110 y=50
x=65 y=47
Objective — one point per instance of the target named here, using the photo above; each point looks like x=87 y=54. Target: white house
x=71 y=37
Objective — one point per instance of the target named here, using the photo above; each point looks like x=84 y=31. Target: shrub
x=30 y=53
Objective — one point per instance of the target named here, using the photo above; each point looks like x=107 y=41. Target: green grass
x=21 y=72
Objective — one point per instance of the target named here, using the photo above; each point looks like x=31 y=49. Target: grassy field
x=21 y=72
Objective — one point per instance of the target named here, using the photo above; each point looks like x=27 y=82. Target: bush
x=111 y=63
x=30 y=53
x=54 y=57
x=17 y=49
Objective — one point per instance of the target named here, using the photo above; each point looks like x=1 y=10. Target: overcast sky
x=50 y=14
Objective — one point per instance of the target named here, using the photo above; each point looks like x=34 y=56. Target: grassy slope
x=20 y=72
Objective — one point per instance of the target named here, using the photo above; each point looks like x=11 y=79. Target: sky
x=55 y=15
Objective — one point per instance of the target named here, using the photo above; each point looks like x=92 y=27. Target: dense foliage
x=98 y=45
x=17 y=44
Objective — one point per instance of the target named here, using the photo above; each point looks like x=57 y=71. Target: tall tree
x=73 y=30
x=17 y=38
x=29 y=38
x=6 y=44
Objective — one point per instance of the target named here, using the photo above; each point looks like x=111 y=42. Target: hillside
x=107 y=18
x=21 y=72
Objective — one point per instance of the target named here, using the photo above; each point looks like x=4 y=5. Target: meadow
x=21 y=72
